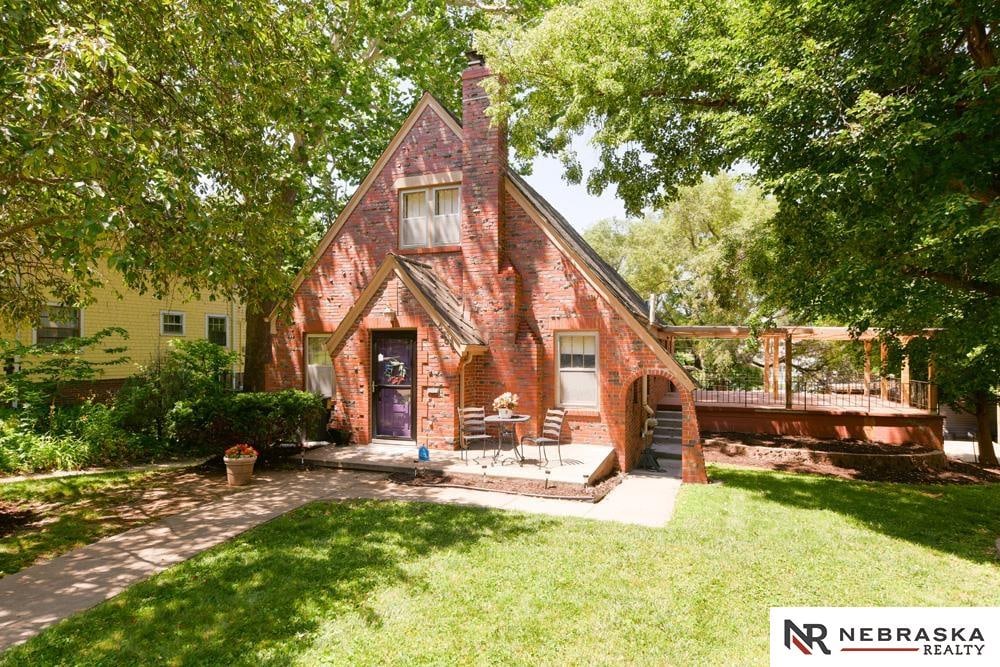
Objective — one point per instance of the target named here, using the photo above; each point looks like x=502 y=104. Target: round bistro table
x=506 y=427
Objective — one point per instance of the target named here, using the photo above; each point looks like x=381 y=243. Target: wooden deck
x=824 y=416
x=828 y=403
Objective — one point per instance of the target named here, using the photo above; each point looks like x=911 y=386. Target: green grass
x=377 y=582
x=66 y=512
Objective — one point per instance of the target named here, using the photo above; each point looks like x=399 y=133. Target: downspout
x=650 y=423
x=461 y=380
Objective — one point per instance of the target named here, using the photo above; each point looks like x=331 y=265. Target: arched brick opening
x=692 y=456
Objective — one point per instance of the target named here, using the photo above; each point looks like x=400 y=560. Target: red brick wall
x=100 y=390
x=435 y=373
x=348 y=264
x=515 y=284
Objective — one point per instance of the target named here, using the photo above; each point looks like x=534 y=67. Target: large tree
x=195 y=143
x=690 y=252
x=874 y=124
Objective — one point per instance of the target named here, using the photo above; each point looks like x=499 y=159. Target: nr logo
x=807 y=638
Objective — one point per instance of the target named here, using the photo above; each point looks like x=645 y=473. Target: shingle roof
x=436 y=291
x=611 y=278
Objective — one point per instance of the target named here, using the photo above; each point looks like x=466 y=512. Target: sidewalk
x=44 y=594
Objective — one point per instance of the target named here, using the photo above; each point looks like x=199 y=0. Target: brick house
x=447 y=280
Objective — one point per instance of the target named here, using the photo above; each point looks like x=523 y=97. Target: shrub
x=45 y=370
x=265 y=419
x=23 y=450
x=261 y=419
x=190 y=372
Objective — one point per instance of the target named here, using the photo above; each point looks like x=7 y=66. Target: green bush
x=23 y=450
x=190 y=372
x=259 y=419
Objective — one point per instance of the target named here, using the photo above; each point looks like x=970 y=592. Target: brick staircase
x=667 y=435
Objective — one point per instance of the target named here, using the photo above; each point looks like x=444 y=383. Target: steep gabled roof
x=434 y=296
x=605 y=279
x=427 y=101
x=448 y=306
x=628 y=296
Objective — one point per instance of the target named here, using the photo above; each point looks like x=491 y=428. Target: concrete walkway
x=41 y=595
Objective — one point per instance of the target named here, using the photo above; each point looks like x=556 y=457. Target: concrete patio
x=582 y=464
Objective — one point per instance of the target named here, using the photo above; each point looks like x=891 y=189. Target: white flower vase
x=505 y=413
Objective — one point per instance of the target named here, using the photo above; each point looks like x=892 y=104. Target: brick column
x=692 y=457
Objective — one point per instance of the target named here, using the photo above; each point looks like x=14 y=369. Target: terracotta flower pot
x=239 y=471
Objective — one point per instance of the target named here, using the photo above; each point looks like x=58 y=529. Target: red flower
x=240 y=451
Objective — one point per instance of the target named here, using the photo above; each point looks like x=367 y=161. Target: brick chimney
x=490 y=286
x=484 y=159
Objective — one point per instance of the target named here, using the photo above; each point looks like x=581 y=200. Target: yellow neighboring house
x=151 y=324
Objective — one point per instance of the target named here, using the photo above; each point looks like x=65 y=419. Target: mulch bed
x=846 y=446
x=524 y=487
x=955 y=472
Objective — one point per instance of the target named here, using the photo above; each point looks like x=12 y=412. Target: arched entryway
x=692 y=456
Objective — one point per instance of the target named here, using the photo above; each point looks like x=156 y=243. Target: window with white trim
x=319 y=365
x=57 y=323
x=217 y=329
x=430 y=217
x=171 y=323
x=577 y=369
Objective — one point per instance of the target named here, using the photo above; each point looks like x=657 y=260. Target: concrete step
x=668 y=415
x=667 y=451
x=667 y=430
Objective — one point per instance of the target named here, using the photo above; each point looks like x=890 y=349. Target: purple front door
x=393 y=384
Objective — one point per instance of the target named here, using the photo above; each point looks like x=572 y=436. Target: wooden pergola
x=772 y=341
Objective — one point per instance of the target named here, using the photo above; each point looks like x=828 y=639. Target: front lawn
x=42 y=518
x=377 y=582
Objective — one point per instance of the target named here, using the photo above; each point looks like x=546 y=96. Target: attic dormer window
x=429 y=217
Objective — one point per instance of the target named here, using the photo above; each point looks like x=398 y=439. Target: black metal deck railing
x=833 y=391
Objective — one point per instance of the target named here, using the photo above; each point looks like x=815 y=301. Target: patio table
x=505 y=427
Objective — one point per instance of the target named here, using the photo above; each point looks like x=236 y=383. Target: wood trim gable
x=424 y=180
x=390 y=266
x=427 y=101
x=681 y=376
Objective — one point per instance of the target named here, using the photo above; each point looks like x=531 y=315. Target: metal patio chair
x=472 y=428
x=551 y=434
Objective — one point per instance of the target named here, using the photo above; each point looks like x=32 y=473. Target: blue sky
x=573 y=201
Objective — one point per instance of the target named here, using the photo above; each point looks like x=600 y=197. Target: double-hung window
x=430 y=217
x=171 y=323
x=57 y=323
x=577 y=367
x=217 y=329
x=319 y=365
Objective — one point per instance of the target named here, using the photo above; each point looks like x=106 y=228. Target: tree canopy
x=690 y=253
x=873 y=123
x=198 y=144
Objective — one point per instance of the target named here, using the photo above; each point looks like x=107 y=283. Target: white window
x=171 y=323
x=319 y=365
x=217 y=329
x=430 y=217
x=577 y=363
x=57 y=323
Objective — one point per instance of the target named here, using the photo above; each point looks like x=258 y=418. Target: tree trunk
x=258 y=346
x=984 y=417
